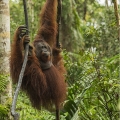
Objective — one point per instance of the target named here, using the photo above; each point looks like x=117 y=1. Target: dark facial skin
x=43 y=52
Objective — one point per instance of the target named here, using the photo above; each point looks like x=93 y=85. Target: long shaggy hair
x=44 y=87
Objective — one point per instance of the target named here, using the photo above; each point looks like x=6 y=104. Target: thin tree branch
x=59 y=10
x=13 y=108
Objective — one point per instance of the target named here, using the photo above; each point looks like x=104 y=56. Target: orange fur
x=44 y=87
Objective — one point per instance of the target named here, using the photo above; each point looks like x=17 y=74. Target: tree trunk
x=106 y=3
x=117 y=17
x=5 y=83
x=85 y=9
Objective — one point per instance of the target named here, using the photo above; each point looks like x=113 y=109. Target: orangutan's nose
x=46 y=54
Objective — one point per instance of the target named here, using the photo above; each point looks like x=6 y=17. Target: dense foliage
x=4 y=108
x=89 y=35
x=93 y=91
